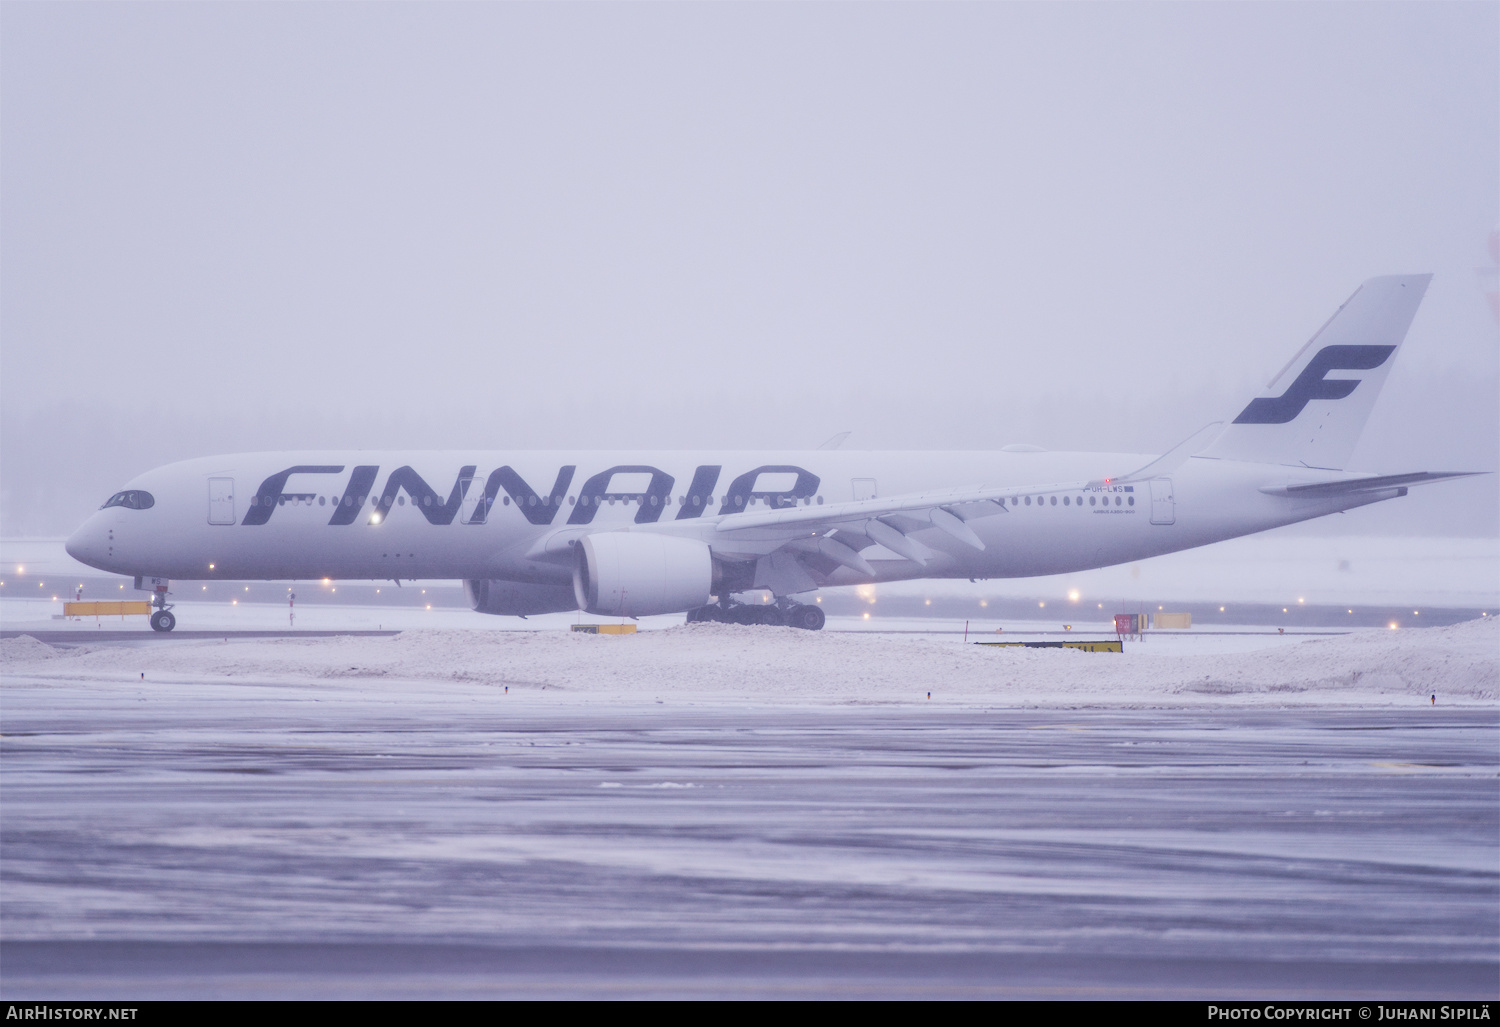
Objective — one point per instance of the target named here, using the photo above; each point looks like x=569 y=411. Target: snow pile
x=1461 y=660
x=24 y=649
x=715 y=662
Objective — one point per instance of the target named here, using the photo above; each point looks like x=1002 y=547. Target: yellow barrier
x=1110 y=646
x=115 y=609
x=1171 y=620
x=605 y=629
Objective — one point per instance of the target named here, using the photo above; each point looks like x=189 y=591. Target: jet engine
x=517 y=598
x=632 y=574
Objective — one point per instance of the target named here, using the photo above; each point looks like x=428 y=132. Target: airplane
x=634 y=534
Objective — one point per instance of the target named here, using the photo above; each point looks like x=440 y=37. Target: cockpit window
x=135 y=499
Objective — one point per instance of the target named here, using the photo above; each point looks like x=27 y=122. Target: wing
x=799 y=548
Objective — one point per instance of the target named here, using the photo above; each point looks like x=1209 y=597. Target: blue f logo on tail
x=1311 y=384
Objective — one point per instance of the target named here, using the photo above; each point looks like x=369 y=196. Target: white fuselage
x=405 y=515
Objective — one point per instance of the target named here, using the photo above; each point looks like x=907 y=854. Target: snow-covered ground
x=712 y=663
x=31 y=616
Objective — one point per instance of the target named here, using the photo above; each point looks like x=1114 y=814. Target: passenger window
x=1132 y=501
x=1054 y=500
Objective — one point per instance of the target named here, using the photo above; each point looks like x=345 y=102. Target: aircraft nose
x=86 y=544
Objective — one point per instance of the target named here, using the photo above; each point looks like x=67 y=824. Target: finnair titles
x=632 y=534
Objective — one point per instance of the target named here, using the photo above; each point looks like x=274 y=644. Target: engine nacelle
x=518 y=598
x=633 y=574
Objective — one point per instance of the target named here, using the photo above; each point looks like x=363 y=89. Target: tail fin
x=1305 y=417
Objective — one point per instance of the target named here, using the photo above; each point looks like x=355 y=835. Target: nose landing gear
x=162 y=619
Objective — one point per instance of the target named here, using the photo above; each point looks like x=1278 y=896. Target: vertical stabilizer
x=1313 y=411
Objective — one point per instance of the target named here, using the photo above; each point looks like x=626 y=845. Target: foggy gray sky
x=230 y=227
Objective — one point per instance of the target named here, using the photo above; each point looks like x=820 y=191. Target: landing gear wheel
x=771 y=615
x=162 y=620
x=809 y=618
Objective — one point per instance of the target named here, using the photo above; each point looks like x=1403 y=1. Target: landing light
x=20 y=571
x=1392 y=625
x=1039 y=604
x=867 y=616
x=210 y=566
x=1301 y=600
x=1073 y=596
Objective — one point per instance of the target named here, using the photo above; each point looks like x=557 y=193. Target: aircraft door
x=221 y=501
x=473 y=501
x=864 y=488
x=1163 y=510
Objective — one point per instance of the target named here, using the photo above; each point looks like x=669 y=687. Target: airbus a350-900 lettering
x=632 y=534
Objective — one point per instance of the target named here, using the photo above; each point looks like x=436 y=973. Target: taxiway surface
x=265 y=839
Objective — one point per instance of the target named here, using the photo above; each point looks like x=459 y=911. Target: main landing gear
x=783 y=612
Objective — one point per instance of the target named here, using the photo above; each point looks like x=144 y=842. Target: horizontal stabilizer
x=1351 y=486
